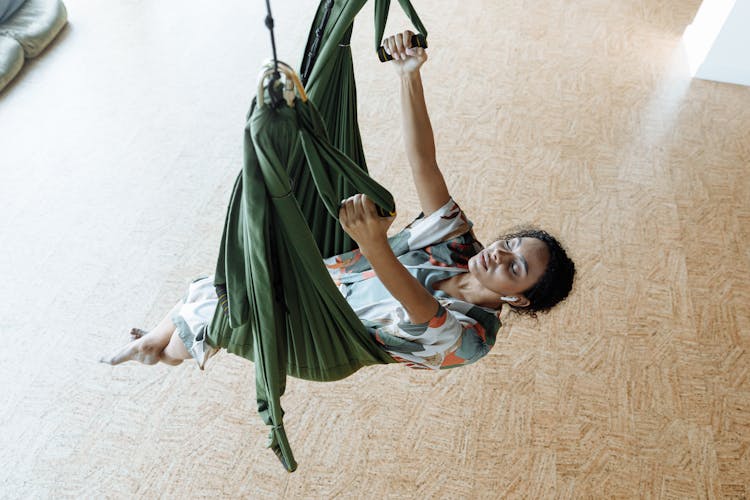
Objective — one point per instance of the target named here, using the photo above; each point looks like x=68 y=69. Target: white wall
x=718 y=41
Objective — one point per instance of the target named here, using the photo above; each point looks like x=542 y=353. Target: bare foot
x=138 y=350
x=136 y=333
x=146 y=348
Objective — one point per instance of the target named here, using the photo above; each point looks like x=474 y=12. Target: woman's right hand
x=406 y=59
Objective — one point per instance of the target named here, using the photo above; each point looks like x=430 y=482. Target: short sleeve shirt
x=432 y=249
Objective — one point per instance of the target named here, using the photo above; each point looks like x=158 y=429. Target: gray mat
x=8 y=8
x=35 y=24
x=11 y=60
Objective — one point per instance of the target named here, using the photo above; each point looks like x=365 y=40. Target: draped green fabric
x=278 y=306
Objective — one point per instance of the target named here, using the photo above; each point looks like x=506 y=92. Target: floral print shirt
x=432 y=248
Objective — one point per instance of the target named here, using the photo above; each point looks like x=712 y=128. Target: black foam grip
x=384 y=213
x=417 y=40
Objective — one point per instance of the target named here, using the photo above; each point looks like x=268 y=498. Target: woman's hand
x=360 y=220
x=405 y=58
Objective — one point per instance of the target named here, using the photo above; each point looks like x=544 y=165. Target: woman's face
x=510 y=267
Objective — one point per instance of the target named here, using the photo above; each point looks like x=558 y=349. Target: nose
x=499 y=254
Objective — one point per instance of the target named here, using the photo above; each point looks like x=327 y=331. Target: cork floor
x=118 y=148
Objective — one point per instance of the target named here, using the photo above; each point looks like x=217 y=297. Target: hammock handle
x=417 y=40
x=383 y=212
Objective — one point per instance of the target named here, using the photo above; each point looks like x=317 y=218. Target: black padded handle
x=417 y=40
x=384 y=213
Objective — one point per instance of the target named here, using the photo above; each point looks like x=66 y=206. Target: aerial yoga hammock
x=278 y=306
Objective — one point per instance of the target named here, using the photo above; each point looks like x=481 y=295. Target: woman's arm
x=418 y=136
x=360 y=220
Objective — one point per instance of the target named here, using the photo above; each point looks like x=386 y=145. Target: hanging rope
x=274 y=86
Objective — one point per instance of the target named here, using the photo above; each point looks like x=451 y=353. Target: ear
x=520 y=300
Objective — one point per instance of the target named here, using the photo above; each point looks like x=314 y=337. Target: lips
x=483 y=257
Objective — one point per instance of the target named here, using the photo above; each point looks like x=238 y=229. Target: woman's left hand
x=406 y=59
x=360 y=219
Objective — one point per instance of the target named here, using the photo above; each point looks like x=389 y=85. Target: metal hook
x=291 y=83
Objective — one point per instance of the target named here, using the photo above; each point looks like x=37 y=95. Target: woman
x=431 y=294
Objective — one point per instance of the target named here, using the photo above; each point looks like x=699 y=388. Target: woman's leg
x=160 y=344
x=175 y=352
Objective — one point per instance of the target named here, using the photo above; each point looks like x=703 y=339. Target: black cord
x=269 y=25
x=274 y=88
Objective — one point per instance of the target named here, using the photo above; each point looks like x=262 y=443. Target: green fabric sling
x=278 y=305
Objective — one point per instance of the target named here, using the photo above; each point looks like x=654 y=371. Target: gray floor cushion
x=8 y=8
x=11 y=59
x=35 y=24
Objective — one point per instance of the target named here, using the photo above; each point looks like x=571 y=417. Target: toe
x=137 y=333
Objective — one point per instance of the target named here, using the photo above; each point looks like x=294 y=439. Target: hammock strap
x=381 y=17
x=311 y=54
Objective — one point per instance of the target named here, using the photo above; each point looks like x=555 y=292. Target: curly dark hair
x=556 y=282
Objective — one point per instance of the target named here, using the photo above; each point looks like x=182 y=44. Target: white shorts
x=194 y=316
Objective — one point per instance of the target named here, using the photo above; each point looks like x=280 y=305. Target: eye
x=514 y=269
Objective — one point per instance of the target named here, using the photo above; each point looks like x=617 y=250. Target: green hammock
x=278 y=305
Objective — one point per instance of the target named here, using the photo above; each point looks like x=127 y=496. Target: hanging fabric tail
x=278 y=306
x=299 y=323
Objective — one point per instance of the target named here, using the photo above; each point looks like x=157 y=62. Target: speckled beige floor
x=118 y=147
